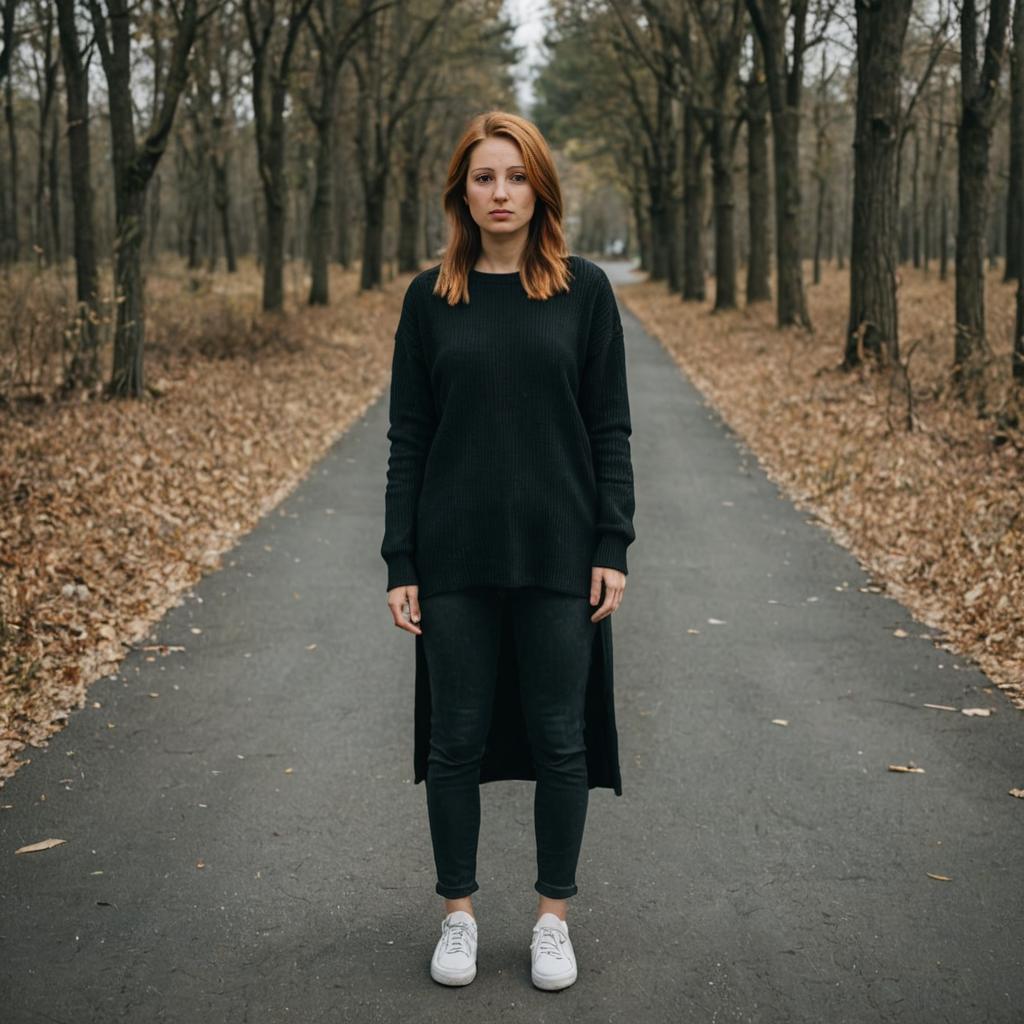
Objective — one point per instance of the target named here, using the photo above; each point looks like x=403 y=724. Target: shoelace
x=457 y=937
x=549 y=941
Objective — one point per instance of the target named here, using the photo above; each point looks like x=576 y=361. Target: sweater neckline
x=482 y=275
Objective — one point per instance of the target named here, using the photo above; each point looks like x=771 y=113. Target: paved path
x=750 y=872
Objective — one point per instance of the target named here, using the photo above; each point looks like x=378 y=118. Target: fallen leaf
x=900 y=632
x=44 y=844
x=905 y=768
x=1019 y=793
x=717 y=622
x=941 y=878
x=780 y=721
x=977 y=712
x=939 y=707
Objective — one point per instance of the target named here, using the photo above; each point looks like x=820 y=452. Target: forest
x=208 y=209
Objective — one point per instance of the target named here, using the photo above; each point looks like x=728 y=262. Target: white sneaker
x=551 y=952
x=454 y=959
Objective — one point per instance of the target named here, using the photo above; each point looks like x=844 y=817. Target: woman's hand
x=614 y=587
x=404 y=603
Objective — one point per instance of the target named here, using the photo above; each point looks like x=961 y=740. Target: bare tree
x=1014 y=225
x=758 y=258
x=336 y=32
x=392 y=65
x=273 y=35
x=83 y=368
x=979 y=86
x=11 y=238
x=134 y=165
x=781 y=29
x=872 y=326
x=723 y=29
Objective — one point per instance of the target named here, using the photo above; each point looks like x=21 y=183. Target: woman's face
x=497 y=181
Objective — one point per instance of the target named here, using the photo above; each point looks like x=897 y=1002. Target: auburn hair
x=544 y=268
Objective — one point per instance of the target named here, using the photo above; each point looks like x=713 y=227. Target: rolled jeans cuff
x=455 y=892
x=555 y=892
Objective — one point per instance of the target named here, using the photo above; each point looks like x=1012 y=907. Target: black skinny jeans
x=554 y=640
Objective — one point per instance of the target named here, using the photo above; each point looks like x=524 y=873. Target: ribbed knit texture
x=509 y=429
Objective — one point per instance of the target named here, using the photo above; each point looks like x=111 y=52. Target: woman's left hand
x=614 y=587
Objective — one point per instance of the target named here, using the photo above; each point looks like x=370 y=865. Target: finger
x=595 y=586
x=414 y=606
x=401 y=616
x=606 y=606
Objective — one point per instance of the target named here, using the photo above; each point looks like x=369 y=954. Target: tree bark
x=693 y=207
x=759 y=260
x=1016 y=183
x=774 y=25
x=83 y=369
x=872 y=327
x=723 y=191
x=979 y=88
x=134 y=166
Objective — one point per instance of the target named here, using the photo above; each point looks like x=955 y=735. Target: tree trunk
x=673 y=243
x=915 y=217
x=693 y=208
x=792 y=303
x=944 y=238
x=971 y=351
x=127 y=376
x=83 y=369
x=722 y=141
x=373 y=234
x=409 y=207
x=872 y=327
x=12 y=251
x=222 y=201
x=759 y=260
x=1017 y=358
x=660 y=225
x=979 y=88
x=1016 y=183
x=819 y=225
x=320 y=212
x=53 y=173
x=274 y=199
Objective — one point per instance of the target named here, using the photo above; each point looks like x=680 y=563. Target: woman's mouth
x=500 y=214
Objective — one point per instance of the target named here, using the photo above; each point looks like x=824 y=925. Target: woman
x=508 y=511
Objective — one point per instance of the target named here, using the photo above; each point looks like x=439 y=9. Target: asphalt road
x=248 y=846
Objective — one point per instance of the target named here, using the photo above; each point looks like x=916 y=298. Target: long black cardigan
x=545 y=497
x=507 y=751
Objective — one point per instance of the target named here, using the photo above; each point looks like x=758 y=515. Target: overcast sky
x=527 y=15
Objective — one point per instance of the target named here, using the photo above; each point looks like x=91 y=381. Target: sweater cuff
x=610 y=552
x=402 y=572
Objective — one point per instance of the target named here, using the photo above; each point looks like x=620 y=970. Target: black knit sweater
x=509 y=430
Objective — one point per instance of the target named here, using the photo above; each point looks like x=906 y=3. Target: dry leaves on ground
x=937 y=512
x=109 y=511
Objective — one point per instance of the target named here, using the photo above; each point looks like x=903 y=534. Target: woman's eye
x=484 y=177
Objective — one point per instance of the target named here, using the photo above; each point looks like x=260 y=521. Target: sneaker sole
x=450 y=978
x=553 y=984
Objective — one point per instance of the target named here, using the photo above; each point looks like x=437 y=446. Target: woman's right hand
x=404 y=603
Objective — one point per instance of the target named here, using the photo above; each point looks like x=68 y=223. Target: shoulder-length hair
x=544 y=269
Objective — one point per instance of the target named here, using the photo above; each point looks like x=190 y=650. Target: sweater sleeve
x=411 y=431
x=604 y=404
